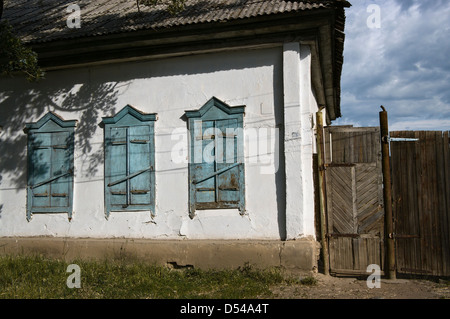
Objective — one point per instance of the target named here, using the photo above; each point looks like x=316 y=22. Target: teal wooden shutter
x=229 y=181
x=140 y=163
x=116 y=166
x=40 y=169
x=203 y=172
x=216 y=168
x=61 y=166
x=50 y=165
x=129 y=161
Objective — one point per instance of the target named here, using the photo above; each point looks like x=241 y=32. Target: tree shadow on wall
x=22 y=102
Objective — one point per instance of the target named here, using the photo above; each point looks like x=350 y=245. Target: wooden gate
x=421 y=201
x=354 y=199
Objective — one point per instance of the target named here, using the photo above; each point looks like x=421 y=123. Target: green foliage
x=15 y=56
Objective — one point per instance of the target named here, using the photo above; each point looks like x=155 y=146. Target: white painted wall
x=274 y=84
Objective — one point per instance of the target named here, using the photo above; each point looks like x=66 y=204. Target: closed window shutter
x=50 y=165
x=139 y=160
x=129 y=161
x=228 y=182
x=61 y=154
x=203 y=171
x=217 y=177
x=129 y=164
x=117 y=165
x=216 y=168
x=51 y=171
x=41 y=161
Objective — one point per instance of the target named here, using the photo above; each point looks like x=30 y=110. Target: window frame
x=215 y=111
x=127 y=118
x=50 y=124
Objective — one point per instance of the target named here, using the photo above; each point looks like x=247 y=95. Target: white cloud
x=403 y=65
x=420 y=125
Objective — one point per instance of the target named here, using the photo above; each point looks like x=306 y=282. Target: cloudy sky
x=401 y=61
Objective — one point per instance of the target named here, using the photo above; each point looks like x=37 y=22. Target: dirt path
x=328 y=287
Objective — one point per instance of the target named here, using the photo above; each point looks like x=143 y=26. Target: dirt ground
x=328 y=287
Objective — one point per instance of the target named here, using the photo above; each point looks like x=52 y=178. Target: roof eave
x=317 y=26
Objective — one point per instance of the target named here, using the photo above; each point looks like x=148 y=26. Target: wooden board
x=421 y=206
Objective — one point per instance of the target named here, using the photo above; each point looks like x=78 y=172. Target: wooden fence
x=421 y=201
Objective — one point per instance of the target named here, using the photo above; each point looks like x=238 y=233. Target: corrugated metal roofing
x=45 y=20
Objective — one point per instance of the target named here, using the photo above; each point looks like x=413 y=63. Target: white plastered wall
x=279 y=190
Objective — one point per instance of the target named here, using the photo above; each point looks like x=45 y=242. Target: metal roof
x=45 y=20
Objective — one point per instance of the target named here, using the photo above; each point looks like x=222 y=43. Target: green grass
x=38 y=277
x=309 y=281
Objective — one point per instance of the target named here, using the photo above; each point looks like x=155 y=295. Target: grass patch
x=309 y=281
x=38 y=277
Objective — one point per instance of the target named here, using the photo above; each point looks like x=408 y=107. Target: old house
x=185 y=139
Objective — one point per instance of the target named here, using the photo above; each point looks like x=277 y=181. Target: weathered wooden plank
x=403 y=177
x=432 y=157
x=397 y=198
x=413 y=221
x=330 y=207
x=439 y=203
x=418 y=173
x=327 y=146
x=445 y=218
x=351 y=129
x=339 y=147
x=357 y=257
x=424 y=216
x=347 y=252
x=408 y=219
x=341 y=181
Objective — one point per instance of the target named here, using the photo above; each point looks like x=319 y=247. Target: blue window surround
x=50 y=165
x=129 y=161
x=217 y=182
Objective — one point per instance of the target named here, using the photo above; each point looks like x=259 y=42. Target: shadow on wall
x=22 y=102
x=86 y=94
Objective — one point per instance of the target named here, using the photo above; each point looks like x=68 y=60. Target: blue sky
x=404 y=64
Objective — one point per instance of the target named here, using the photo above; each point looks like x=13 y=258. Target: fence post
x=387 y=196
x=322 y=195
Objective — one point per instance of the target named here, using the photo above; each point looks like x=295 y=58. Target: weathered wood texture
x=355 y=214
x=421 y=202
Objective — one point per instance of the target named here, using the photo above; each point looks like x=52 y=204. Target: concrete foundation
x=297 y=256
